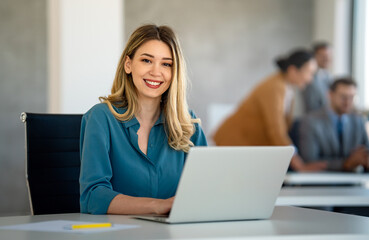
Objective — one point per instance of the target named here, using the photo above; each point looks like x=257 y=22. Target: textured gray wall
x=229 y=44
x=23 y=87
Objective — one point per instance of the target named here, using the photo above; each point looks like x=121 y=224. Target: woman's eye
x=146 y=60
x=167 y=64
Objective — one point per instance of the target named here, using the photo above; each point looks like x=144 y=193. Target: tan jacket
x=260 y=120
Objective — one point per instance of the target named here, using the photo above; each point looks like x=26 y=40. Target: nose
x=155 y=70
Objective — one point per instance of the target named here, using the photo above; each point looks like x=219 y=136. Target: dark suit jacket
x=319 y=138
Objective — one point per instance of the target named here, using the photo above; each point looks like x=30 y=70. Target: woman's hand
x=123 y=204
x=163 y=206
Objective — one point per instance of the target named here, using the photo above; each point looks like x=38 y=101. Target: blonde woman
x=134 y=143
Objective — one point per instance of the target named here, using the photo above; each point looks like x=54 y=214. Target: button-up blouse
x=112 y=162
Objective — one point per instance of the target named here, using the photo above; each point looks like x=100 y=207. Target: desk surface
x=326 y=178
x=285 y=223
x=323 y=196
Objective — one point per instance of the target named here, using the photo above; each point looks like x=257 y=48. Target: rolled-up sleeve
x=96 y=190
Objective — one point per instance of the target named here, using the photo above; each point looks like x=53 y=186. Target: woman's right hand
x=163 y=206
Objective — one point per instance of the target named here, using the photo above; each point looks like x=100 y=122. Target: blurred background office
x=59 y=56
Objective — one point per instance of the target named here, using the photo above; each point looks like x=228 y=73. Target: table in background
x=327 y=178
x=285 y=223
x=333 y=191
x=324 y=196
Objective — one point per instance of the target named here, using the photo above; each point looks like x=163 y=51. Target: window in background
x=361 y=51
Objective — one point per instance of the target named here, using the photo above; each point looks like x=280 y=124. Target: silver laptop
x=228 y=183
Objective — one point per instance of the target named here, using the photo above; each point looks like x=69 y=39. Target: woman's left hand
x=163 y=206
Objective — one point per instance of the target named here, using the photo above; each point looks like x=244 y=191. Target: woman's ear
x=292 y=71
x=127 y=65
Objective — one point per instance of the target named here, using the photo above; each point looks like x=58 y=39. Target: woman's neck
x=149 y=112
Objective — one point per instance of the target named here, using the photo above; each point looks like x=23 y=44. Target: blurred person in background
x=336 y=135
x=315 y=93
x=264 y=117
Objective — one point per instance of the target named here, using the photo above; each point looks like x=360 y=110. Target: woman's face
x=151 y=69
x=304 y=75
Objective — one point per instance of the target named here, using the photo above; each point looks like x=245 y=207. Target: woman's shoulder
x=102 y=110
x=192 y=113
x=98 y=109
x=198 y=138
x=272 y=85
x=276 y=80
x=194 y=116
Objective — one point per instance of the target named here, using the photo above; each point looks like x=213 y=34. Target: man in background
x=335 y=134
x=315 y=94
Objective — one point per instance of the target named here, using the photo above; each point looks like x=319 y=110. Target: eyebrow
x=149 y=55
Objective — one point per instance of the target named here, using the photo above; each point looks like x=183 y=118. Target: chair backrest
x=52 y=162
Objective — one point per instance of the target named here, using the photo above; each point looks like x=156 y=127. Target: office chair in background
x=52 y=162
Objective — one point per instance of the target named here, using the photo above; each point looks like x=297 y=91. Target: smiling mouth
x=152 y=83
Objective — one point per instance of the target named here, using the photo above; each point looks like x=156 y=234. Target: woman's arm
x=123 y=204
x=97 y=193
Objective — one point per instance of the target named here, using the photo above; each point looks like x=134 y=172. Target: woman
x=263 y=119
x=134 y=143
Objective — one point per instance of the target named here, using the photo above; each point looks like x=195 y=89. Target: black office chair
x=52 y=162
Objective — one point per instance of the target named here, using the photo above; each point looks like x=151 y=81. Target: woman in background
x=134 y=143
x=264 y=117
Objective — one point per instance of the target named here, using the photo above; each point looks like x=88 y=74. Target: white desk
x=323 y=196
x=286 y=223
x=327 y=178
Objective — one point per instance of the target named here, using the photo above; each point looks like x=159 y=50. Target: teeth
x=152 y=83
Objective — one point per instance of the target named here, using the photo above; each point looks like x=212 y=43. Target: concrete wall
x=23 y=71
x=229 y=45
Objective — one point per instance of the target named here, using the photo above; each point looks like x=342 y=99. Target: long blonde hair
x=179 y=126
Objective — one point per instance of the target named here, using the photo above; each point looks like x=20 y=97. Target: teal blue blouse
x=112 y=163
